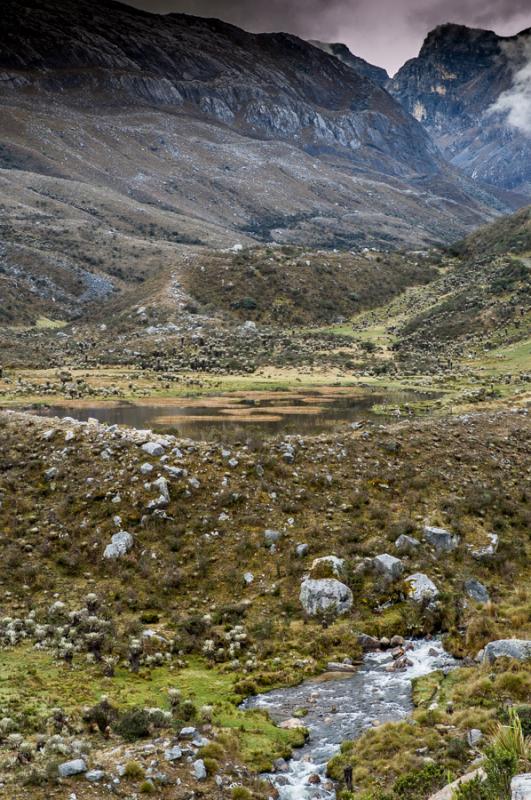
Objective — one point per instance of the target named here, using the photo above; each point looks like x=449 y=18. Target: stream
x=341 y=708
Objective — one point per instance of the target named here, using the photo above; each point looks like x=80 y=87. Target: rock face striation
x=461 y=87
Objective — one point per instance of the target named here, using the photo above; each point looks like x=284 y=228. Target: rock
x=173 y=753
x=335 y=666
x=420 y=588
x=271 y=537
x=200 y=770
x=474 y=736
x=248 y=577
x=488 y=550
x=301 y=550
x=447 y=793
x=146 y=468
x=187 y=733
x=75 y=767
x=406 y=544
x=476 y=591
x=519 y=649
x=521 y=787
x=369 y=644
x=336 y=565
x=397 y=641
x=388 y=565
x=153 y=448
x=325 y=595
x=291 y=724
x=95 y=775
x=442 y=540
x=120 y=545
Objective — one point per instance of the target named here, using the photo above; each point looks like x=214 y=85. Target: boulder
x=200 y=770
x=119 y=546
x=368 y=644
x=325 y=595
x=476 y=591
x=442 y=540
x=301 y=550
x=406 y=544
x=173 y=753
x=334 y=564
x=153 y=448
x=388 y=565
x=69 y=768
x=512 y=648
x=420 y=588
x=521 y=787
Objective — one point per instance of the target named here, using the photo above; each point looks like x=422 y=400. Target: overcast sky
x=385 y=32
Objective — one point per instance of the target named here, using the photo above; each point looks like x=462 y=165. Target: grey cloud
x=515 y=103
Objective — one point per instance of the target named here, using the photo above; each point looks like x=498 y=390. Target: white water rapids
x=340 y=709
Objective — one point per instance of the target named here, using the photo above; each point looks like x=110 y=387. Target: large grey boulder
x=521 y=787
x=476 y=591
x=420 y=588
x=325 y=595
x=512 y=648
x=442 y=540
x=388 y=565
x=69 y=768
x=119 y=546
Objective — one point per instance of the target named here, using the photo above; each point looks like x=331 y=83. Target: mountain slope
x=128 y=137
x=452 y=87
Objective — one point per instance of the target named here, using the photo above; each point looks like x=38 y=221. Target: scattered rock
x=476 y=591
x=406 y=544
x=325 y=595
x=442 y=540
x=420 y=588
x=119 y=546
x=334 y=564
x=519 y=649
x=69 y=768
x=153 y=448
x=200 y=769
x=388 y=565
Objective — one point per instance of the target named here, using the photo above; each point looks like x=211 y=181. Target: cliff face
x=377 y=75
x=452 y=88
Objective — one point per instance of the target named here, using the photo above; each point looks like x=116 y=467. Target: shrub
x=134 y=770
x=133 y=725
x=211 y=766
x=147 y=787
x=241 y=793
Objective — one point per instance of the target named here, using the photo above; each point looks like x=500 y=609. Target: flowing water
x=340 y=709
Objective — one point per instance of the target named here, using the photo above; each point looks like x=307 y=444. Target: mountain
x=129 y=138
x=460 y=87
x=376 y=74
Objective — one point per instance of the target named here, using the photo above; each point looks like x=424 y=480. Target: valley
x=265 y=376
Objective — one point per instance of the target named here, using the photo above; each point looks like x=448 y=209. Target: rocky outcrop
x=452 y=88
x=325 y=596
x=375 y=74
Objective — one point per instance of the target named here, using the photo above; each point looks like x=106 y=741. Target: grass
x=32 y=683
